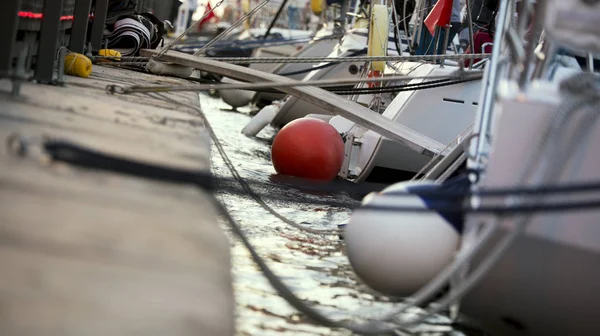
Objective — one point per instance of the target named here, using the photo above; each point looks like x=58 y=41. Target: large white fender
x=398 y=253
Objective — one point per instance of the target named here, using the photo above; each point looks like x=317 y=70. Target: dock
x=91 y=252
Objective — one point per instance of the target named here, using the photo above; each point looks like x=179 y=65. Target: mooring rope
x=121 y=89
x=347 y=59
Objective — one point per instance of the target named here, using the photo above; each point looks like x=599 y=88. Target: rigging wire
x=344 y=90
x=178 y=38
x=318 y=59
x=63 y=150
x=120 y=89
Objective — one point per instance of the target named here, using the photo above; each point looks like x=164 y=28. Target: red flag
x=439 y=15
x=208 y=17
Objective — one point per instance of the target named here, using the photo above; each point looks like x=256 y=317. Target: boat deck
x=81 y=247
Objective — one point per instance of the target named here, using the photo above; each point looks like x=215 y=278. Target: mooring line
x=242 y=182
x=120 y=89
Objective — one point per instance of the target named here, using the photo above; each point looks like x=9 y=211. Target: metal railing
x=35 y=30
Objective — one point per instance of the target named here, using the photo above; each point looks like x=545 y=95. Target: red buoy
x=308 y=148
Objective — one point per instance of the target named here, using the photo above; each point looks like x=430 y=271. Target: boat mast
x=274 y=21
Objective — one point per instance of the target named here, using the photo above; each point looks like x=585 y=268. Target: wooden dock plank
x=336 y=104
x=87 y=252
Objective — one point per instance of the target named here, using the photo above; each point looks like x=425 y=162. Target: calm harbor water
x=314 y=267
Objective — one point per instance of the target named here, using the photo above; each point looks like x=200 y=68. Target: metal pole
x=590 y=62
x=46 y=56
x=233 y=26
x=544 y=56
x=80 y=25
x=275 y=19
x=406 y=30
x=537 y=26
x=445 y=46
x=471 y=38
x=436 y=40
x=343 y=11
x=419 y=25
x=397 y=36
x=98 y=25
x=355 y=11
x=491 y=81
x=9 y=10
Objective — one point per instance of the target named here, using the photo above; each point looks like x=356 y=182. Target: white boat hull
x=441 y=114
x=354 y=41
x=539 y=287
x=320 y=48
x=548 y=282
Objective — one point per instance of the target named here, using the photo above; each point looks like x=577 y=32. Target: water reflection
x=314 y=267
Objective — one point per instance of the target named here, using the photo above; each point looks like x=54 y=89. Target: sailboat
x=528 y=262
x=546 y=281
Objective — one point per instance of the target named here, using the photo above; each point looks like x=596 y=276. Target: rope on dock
x=70 y=152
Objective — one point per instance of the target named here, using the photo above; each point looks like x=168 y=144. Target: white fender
x=261 y=119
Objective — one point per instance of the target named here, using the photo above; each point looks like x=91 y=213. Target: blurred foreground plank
x=86 y=252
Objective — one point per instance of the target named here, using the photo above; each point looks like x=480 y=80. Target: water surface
x=313 y=266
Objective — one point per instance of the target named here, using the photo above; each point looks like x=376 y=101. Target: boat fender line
x=72 y=153
x=378 y=35
x=262 y=119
